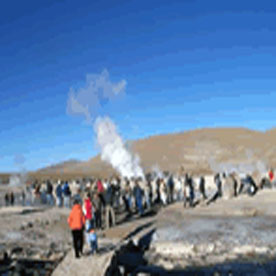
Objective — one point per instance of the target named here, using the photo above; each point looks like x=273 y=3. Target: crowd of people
x=134 y=193
x=136 y=196
x=96 y=203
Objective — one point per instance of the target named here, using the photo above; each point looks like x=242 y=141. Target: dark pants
x=94 y=246
x=191 y=200
x=139 y=204
x=98 y=219
x=101 y=196
x=77 y=242
x=170 y=196
x=203 y=194
x=126 y=204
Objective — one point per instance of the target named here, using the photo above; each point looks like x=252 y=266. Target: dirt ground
x=236 y=235
x=176 y=239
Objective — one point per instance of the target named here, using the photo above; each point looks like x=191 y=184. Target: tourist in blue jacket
x=59 y=194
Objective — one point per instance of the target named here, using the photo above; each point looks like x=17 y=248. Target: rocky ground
x=228 y=237
x=32 y=239
x=237 y=235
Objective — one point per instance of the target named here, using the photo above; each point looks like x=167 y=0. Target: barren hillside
x=197 y=151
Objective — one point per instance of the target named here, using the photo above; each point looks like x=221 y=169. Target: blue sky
x=187 y=64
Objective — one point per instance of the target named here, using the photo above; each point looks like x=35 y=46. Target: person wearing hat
x=76 y=221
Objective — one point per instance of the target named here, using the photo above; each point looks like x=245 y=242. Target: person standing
x=178 y=189
x=191 y=191
x=49 y=193
x=158 y=191
x=202 y=187
x=218 y=193
x=125 y=199
x=235 y=184
x=7 y=199
x=185 y=190
x=138 y=194
x=109 y=210
x=88 y=212
x=101 y=190
x=37 y=194
x=67 y=194
x=117 y=192
x=218 y=184
x=148 y=194
x=93 y=241
x=77 y=195
x=59 y=194
x=76 y=221
x=98 y=211
x=23 y=196
x=170 y=185
x=163 y=192
x=12 y=198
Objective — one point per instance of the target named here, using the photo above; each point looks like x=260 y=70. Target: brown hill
x=60 y=166
x=197 y=151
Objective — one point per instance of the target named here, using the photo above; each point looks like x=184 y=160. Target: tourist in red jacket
x=87 y=209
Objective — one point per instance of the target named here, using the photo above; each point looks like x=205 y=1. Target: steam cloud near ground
x=17 y=180
x=241 y=168
x=86 y=101
x=250 y=163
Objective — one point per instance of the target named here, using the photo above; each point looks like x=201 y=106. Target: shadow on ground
x=135 y=216
x=138 y=230
x=130 y=259
x=26 y=267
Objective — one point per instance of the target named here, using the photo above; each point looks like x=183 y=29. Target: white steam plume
x=86 y=101
x=98 y=90
x=17 y=180
x=113 y=150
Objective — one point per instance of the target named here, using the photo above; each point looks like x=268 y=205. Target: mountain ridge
x=192 y=149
